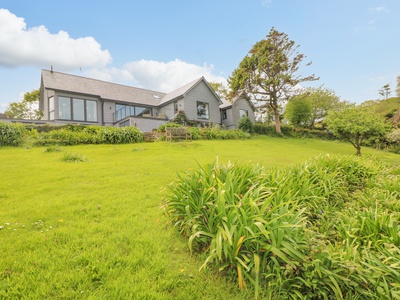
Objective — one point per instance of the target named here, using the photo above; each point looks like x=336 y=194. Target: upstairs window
x=202 y=111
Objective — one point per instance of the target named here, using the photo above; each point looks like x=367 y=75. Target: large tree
x=322 y=100
x=356 y=124
x=298 y=111
x=27 y=108
x=269 y=72
x=398 y=86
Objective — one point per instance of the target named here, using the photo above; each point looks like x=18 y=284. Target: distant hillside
x=387 y=108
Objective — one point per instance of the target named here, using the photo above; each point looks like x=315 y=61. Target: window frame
x=243 y=113
x=203 y=116
x=72 y=113
x=51 y=108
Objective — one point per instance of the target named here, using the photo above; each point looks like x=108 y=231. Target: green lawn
x=95 y=230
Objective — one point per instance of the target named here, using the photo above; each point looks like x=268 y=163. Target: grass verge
x=95 y=230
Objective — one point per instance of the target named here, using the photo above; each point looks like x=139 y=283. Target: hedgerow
x=325 y=229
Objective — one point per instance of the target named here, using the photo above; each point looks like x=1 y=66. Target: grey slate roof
x=112 y=91
x=180 y=91
x=225 y=104
x=105 y=90
x=228 y=104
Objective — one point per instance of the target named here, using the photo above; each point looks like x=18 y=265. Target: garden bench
x=177 y=133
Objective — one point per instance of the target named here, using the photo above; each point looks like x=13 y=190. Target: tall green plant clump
x=12 y=134
x=312 y=231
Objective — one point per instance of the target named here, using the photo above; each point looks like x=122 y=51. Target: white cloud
x=371 y=25
x=380 y=9
x=37 y=46
x=157 y=75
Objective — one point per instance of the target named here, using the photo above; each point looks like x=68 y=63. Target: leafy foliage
x=322 y=100
x=298 y=111
x=312 y=231
x=80 y=134
x=28 y=108
x=268 y=72
x=246 y=125
x=219 y=89
x=356 y=124
x=12 y=134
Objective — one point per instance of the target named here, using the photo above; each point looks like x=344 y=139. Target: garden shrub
x=325 y=229
x=169 y=124
x=80 y=134
x=246 y=125
x=65 y=137
x=215 y=133
x=120 y=135
x=12 y=134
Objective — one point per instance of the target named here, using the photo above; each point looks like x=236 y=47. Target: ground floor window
x=224 y=116
x=202 y=110
x=243 y=113
x=76 y=109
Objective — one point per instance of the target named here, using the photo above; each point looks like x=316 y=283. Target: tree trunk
x=277 y=121
x=358 y=150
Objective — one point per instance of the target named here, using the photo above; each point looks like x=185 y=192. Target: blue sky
x=161 y=45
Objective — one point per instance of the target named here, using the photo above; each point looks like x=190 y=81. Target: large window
x=64 y=108
x=123 y=111
x=76 y=109
x=91 y=111
x=202 y=110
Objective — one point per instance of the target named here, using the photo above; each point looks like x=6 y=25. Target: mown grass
x=94 y=229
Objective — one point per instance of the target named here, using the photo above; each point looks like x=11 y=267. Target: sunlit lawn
x=95 y=230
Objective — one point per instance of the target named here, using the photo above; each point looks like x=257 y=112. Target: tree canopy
x=269 y=72
x=356 y=124
x=27 y=108
x=298 y=111
x=322 y=100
